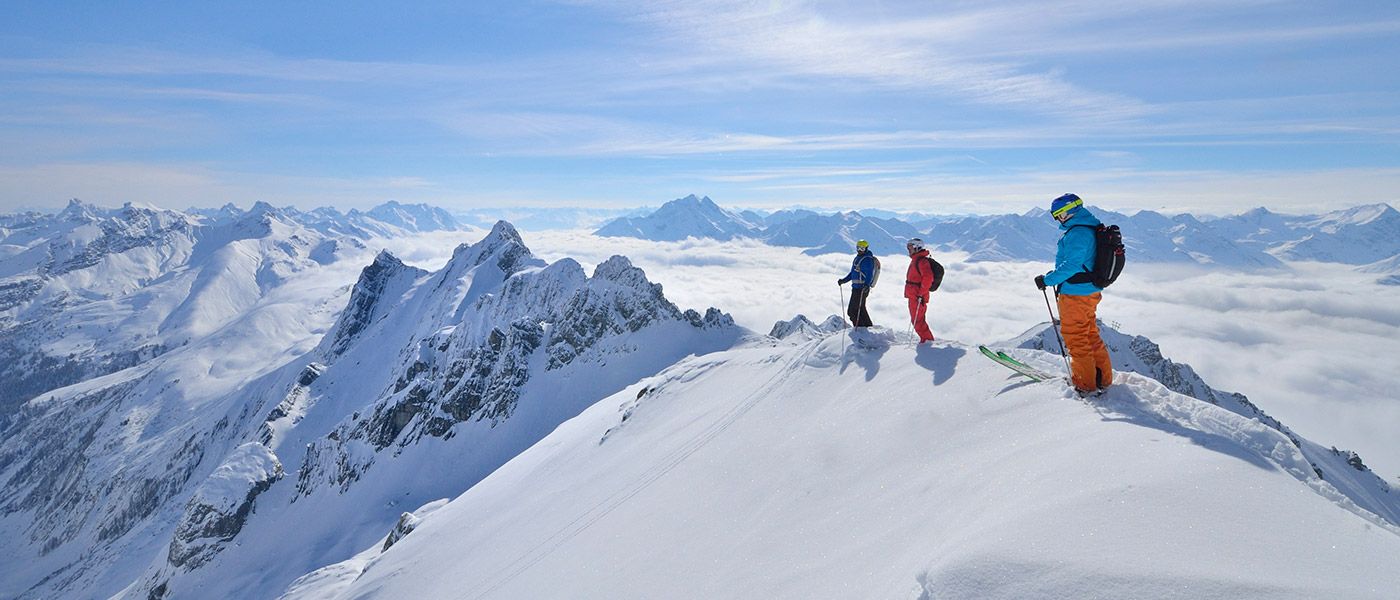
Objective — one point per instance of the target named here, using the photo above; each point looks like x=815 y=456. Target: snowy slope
x=1355 y=236
x=829 y=469
x=1389 y=269
x=289 y=439
x=1258 y=227
x=91 y=291
x=1385 y=267
x=96 y=474
x=1344 y=470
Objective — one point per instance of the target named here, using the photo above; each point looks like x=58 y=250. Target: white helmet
x=916 y=244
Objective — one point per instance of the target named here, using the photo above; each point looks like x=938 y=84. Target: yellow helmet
x=862 y=244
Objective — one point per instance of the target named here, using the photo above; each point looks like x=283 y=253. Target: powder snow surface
x=882 y=470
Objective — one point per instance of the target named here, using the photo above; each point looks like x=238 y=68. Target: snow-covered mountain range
x=191 y=473
x=818 y=467
x=1257 y=239
x=208 y=414
x=90 y=291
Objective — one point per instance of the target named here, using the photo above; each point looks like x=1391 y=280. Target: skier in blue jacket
x=1091 y=369
x=865 y=269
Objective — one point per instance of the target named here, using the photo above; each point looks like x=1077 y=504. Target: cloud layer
x=1307 y=346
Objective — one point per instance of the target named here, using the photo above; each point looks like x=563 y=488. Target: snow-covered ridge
x=858 y=467
x=1253 y=240
x=1349 y=479
x=187 y=471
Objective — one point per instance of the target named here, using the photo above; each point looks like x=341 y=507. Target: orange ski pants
x=1089 y=364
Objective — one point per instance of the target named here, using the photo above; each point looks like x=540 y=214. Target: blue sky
x=1176 y=105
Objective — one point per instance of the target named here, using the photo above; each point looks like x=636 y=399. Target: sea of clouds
x=1315 y=347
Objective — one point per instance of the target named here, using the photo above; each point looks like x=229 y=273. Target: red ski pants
x=918 y=309
x=1089 y=363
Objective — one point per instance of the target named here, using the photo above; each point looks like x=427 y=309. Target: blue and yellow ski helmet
x=1064 y=205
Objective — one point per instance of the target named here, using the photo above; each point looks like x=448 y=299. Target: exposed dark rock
x=406 y=524
x=221 y=506
x=364 y=303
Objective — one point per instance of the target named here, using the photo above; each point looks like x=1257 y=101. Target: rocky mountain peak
x=620 y=270
x=77 y=211
x=503 y=246
x=367 y=300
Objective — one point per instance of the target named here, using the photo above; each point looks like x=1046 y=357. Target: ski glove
x=842 y=281
x=1040 y=281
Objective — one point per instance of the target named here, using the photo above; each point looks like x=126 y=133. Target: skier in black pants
x=865 y=270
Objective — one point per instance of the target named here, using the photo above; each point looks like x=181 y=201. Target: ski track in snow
x=662 y=467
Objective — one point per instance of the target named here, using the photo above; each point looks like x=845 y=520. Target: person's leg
x=918 y=312
x=853 y=307
x=1103 y=365
x=864 y=316
x=1077 y=325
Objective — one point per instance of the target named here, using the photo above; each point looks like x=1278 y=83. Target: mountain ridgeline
x=1258 y=239
x=425 y=383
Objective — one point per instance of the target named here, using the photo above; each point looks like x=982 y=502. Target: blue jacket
x=1075 y=254
x=862 y=270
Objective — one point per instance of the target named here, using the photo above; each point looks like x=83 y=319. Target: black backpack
x=1108 y=257
x=937 y=273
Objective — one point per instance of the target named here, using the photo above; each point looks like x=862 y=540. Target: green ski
x=1007 y=361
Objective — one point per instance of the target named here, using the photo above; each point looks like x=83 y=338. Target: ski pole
x=842 y=310
x=1055 y=325
x=845 y=331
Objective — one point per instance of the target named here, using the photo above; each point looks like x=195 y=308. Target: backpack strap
x=932 y=272
x=1087 y=274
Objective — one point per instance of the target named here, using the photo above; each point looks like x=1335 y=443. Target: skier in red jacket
x=916 y=287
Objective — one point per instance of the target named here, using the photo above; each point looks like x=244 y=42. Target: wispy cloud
x=813 y=172
x=122 y=61
x=800 y=40
x=1158 y=39
x=183 y=185
x=89 y=89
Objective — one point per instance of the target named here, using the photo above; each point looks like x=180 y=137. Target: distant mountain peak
x=805 y=328
x=77 y=211
x=691 y=216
